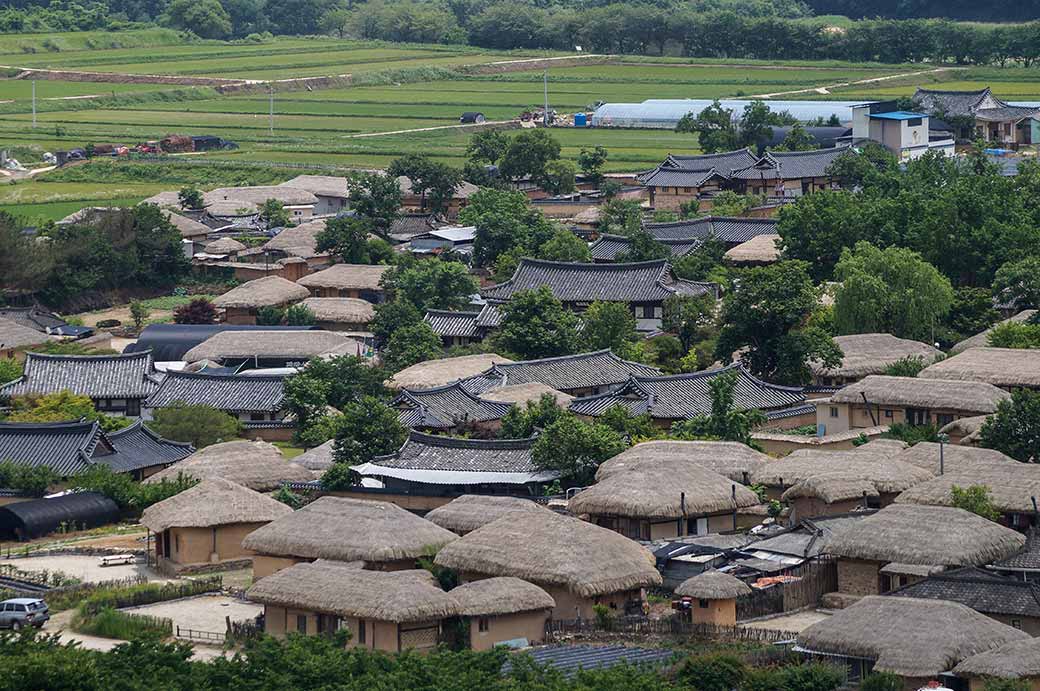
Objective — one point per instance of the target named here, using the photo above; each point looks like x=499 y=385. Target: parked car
x=23 y=611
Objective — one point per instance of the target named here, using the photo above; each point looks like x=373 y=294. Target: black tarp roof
x=169 y=342
x=29 y=519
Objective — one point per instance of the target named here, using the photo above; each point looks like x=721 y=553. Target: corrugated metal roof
x=568 y=659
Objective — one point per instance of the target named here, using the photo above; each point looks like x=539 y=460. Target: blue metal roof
x=568 y=659
x=897 y=115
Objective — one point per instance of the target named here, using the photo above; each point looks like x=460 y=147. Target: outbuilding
x=77 y=511
x=503 y=610
x=716 y=594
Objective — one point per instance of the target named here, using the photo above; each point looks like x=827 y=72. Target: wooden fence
x=671 y=626
x=815 y=578
x=210 y=637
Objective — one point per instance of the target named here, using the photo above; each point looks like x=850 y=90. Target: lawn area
x=34 y=214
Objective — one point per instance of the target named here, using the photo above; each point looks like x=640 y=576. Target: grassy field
x=398 y=89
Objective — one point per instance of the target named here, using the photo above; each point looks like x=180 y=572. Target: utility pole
x=34 y=103
x=545 y=84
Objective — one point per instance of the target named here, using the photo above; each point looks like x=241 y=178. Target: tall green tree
x=204 y=18
x=273 y=214
x=1015 y=428
x=564 y=246
x=591 y=162
x=889 y=291
x=331 y=383
x=432 y=284
x=535 y=325
x=202 y=425
x=434 y=182
x=725 y=422
x=393 y=315
x=348 y=239
x=755 y=124
x=410 y=345
x=609 y=325
x=528 y=153
x=367 y=428
x=689 y=318
x=714 y=127
x=575 y=449
x=523 y=422
x=487 y=146
x=376 y=197
x=505 y=222
x=797 y=139
x=766 y=317
x=643 y=247
x=1019 y=282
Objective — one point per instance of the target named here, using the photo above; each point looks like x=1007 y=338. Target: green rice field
x=407 y=99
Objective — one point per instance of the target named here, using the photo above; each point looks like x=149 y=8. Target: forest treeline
x=756 y=29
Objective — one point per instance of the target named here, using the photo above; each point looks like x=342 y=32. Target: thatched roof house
x=350 y=530
x=298 y=241
x=254 y=464
x=213 y=502
x=224 y=246
x=501 y=595
x=1015 y=660
x=520 y=394
x=553 y=550
x=916 y=392
x=728 y=458
x=1008 y=368
x=982 y=339
x=663 y=490
x=341 y=310
x=432 y=373
x=713 y=585
x=761 y=249
x=955 y=458
x=880 y=469
x=13 y=336
x=345 y=277
x=965 y=430
x=866 y=354
x=349 y=591
x=189 y=229
x=269 y=291
x=1011 y=487
x=913 y=534
x=471 y=511
x=917 y=639
x=318 y=459
x=273 y=345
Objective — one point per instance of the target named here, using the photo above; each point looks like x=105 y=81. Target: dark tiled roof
x=489 y=318
x=447 y=323
x=446 y=406
x=433 y=452
x=724 y=162
x=406 y=226
x=1026 y=559
x=608 y=247
x=568 y=659
x=138 y=447
x=684 y=396
x=32 y=318
x=953 y=103
x=65 y=447
x=564 y=373
x=231 y=392
x=96 y=376
x=668 y=176
x=730 y=230
x=791 y=165
x=573 y=282
x=1006 y=113
x=980 y=590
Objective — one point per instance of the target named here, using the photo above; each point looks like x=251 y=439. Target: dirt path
x=475 y=125
x=873 y=80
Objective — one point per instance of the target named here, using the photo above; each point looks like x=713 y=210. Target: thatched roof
x=187 y=227
x=982 y=339
x=551 y=549
x=967 y=396
x=713 y=585
x=966 y=428
x=287 y=343
x=672 y=488
x=269 y=291
x=320 y=185
x=1004 y=367
x=728 y=458
x=341 y=310
x=522 y=393
x=1011 y=486
x=349 y=530
x=1015 y=660
x=257 y=465
x=346 y=277
x=14 y=335
x=838 y=475
x=259 y=194
x=910 y=637
x=761 y=249
x=301 y=240
x=224 y=246
x=431 y=373
x=318 y=458
x=501 y=595
x=871 y=353
x=212 y=502
x=348 y=591
x=955 y=458
x=471 y=511
x=914 y=534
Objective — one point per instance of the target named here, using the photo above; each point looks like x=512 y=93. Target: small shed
x=716 y=594
x=31 y=519
x=472 y=118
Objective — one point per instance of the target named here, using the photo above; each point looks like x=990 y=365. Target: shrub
x=202 y=425
x=713 y=672
x=882 y=681
x=111 y=623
